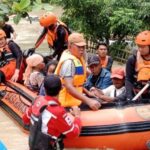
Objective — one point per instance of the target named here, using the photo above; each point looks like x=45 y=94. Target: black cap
x=93 y=60
x=52 y=84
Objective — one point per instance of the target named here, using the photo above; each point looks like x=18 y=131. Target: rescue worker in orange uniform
x=72 y=70
x=54 y=119
x=10 y=58
x=138 y=66
x=106 y=61
x=56 y=32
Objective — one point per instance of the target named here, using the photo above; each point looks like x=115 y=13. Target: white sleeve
x=108 y=90
x=67 y=69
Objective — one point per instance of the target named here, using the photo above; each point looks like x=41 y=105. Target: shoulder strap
x=50 y=103
x=66 y=28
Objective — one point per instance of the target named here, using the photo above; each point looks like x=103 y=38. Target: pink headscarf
x=32 y=61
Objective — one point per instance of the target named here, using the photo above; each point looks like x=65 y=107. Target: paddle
x=141 y=91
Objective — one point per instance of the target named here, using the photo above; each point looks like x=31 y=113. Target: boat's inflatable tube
x=118 y=127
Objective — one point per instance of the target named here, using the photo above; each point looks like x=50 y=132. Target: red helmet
x=48 y=19
x=2 y=34
x=143 y=38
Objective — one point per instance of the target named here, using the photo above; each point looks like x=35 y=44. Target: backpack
x=41 y=141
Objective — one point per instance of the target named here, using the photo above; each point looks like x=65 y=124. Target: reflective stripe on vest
x=142 y=68
x=52 y=35
x=79 y=78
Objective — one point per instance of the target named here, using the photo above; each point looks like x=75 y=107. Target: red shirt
x=55 y=120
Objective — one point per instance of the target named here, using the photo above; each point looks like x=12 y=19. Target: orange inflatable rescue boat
x=122 y=126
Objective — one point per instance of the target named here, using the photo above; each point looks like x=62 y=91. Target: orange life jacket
x=52 y=35
x=6 y=54
x=65 y=98
x=7 y=62
x=142 y=68
x=104 y=62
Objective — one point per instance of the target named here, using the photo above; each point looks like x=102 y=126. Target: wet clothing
x=8 y=30
x=55 y=120
x=11 y=59
x=60 y=41
x=131 y=78
x=101 y=81
x=107 y=63
x=79 y=78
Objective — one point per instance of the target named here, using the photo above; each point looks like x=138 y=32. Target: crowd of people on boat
x=70 y=78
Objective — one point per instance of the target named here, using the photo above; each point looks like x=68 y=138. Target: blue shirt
x=102 y=81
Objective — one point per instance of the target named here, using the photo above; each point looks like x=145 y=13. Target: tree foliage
x=97 y=19
x=20 y=8
x=103 y=19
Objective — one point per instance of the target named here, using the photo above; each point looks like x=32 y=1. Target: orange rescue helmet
x=143 y=38
x=2 y=34
x=48 y=19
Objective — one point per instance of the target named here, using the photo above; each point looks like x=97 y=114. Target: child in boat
x=33 y=76
x=50 y=68
x=114 y=91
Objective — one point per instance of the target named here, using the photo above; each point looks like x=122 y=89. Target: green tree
x=102 y=19
x=128 y=18
x=97 y=19
x=144 y=13
x=123 y=22
x=21 y=8
x=88 y=16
